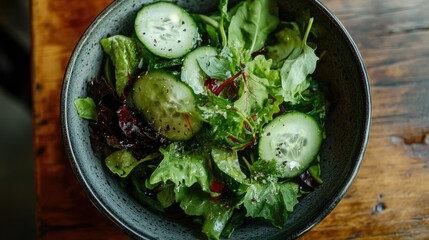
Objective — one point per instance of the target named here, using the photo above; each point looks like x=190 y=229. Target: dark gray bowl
x=347 y=128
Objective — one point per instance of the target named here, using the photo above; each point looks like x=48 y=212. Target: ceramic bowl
x=348 y=123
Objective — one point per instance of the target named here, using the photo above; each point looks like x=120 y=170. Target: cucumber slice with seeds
x=293 y=140
x=167 y=104
x=166 y=30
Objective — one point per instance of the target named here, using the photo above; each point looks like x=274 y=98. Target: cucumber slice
x=293 y=140
x=167 y=104
x=166 y=30
x=192 y=74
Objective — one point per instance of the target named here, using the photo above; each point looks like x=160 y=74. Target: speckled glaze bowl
x=348 y=124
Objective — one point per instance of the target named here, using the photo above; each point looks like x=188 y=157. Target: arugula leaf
x=216 y=214
x=252 y=23
x=209 y=30
x=216 y=67
x=182 y=165
x=125 y=57
x=213 y=36
x=273 y=201
x=122 y=162
x=223 y=8
x=317 y=30
x=288 y=44
x=226 y=63
x=295 y=70
x=86 y=108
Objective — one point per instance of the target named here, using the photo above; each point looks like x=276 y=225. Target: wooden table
x=389 y=198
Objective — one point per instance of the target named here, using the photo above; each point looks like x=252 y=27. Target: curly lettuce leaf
x=182 y=165
x=273 y=201
x=122 y=162
x=215 y=214
x=252 y=23
x=125 y=57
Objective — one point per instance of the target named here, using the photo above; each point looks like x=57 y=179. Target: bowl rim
x=99 y=202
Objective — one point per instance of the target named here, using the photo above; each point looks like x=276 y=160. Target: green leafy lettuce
x=215 y=214
x=297 y=68
x=183 y=165
x=256 y=100
x=272 y=200
x=125 y=57
x=252 y=23
x=227 y=124
x=86 y=108
x=122 y=162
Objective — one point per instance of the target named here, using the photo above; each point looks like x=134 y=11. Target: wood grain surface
x=389 y=198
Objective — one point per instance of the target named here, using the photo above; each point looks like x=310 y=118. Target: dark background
x=17 y=198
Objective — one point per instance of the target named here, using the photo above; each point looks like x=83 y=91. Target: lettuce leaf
x=273 y=201
x=122 y=162
x=252 y=23
x=125 y=57
x=139 y=190
x=288 y=42
x=215 y=214
x=86 y=108
x=314 y=102
x=166 y=196
x=255 y=100
x=183 y=165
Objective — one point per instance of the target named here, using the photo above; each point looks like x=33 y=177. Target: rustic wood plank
x=389 y=198
x=63 y=211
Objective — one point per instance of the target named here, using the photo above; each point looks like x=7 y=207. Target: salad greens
x=181 y=127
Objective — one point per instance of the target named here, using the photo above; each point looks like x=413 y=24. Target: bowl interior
x=347 y=128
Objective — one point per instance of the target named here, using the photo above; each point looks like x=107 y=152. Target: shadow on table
x=17 y=198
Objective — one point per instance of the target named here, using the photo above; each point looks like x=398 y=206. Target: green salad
x=216 y=115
